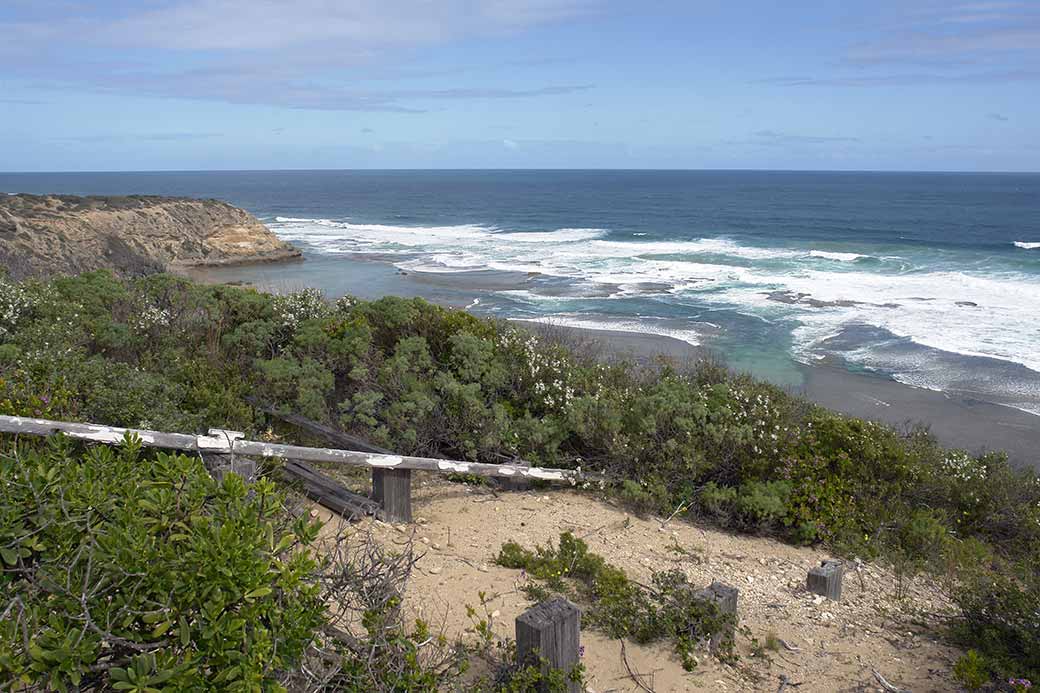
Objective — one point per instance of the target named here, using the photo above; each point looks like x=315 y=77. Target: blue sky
x=248 y=84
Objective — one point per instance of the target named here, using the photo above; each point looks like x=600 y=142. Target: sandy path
x=459 y=529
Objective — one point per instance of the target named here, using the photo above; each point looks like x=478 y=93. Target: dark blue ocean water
x=933 y=279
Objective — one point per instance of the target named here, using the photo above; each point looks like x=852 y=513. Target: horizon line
x=530 y=169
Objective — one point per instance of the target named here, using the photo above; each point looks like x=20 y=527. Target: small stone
x=435 y=571
x=496 y=613
x=436 y=546
x=483 y=568
x=424 y=540
x=819 y=599
x=750 y=579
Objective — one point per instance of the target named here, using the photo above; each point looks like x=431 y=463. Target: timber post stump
x=392 y=489
x=724 y=598
x=550 y=634
x=826 y=579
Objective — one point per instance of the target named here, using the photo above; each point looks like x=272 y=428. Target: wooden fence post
x=550 y=633
x=215 y=450
x=826 y=580
x=725 y=598
x=392 y=489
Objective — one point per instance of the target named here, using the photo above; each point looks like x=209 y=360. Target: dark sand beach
x=956 y=421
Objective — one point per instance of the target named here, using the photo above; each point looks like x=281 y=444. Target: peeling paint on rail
x=384 y=460
x=221 y=441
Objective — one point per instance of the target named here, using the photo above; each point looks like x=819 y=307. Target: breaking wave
x=959 y=308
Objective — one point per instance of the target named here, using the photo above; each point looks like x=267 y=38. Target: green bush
x=127 y=570
x=667 y=609
x=421 y=379
x=1000 y=617
x=138 y=572
x=971 y=670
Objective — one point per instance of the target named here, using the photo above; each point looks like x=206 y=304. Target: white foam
x=723 y=272
x=557 y=236
x=648 y=327
x=1026 y=245
x=703 y=246
x=840 y=257
x=1000 y=325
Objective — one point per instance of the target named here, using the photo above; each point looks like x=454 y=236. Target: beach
x=957 y=421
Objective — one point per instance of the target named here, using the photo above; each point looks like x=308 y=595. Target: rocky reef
x=133 y=235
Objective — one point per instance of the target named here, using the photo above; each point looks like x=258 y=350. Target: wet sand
x=957 y=422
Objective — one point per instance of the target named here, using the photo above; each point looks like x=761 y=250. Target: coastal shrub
x=293 y=309
x=15 y=304
x=666 y=609
x=753 y=504
x=127 y=570
x=122 y=568
x=971 y=670
x=694 y=440
x=1000 y=617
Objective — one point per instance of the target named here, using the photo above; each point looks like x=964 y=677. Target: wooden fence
x=391 y=474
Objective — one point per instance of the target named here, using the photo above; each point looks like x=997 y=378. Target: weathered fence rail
x=391 y=473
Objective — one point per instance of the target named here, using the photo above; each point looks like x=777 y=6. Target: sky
x=696 y=84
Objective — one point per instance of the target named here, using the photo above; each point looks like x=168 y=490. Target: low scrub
x=421 y=379
x=667 y=609
x=138 y=572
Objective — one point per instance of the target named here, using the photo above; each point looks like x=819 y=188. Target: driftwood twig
x=633 y=675
x=885 y=684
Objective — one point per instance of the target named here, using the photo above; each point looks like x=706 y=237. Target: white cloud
x=356 y=26
x=304 y=53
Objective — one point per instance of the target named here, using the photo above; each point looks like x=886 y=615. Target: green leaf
x=258 y=592
x=9 y=555
x=161 y=628
x=185 y=631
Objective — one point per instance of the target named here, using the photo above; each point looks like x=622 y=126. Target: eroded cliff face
x=62 y=234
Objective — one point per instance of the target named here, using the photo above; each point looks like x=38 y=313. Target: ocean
x=930 y=279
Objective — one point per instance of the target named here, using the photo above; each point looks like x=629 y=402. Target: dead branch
x=633 y=675
x=885 y=684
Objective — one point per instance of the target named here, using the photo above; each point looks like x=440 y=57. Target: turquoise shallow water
x=933 y=279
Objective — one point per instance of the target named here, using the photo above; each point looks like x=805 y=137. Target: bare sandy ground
x=830 y=646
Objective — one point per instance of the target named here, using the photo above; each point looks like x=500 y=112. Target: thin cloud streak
x=143 y=137
x=972 y=43
x=912 y=79
x=304 y=54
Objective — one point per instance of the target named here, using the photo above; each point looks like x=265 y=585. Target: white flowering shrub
x=299 y=306
x=151 y=317
x=15 y=303
x=768 y=428
x=347 y=303
x=542 y=368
